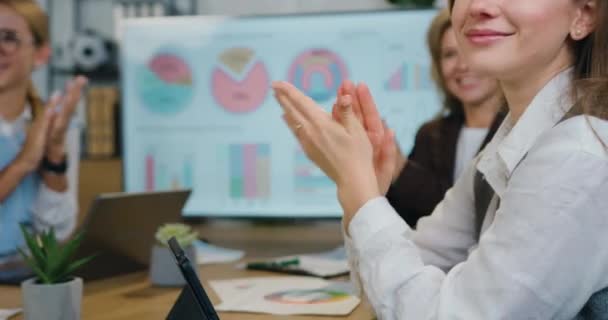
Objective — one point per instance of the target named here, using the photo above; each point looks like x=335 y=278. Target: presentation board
x=198 y=110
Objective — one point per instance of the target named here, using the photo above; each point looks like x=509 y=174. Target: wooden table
x=132 y=297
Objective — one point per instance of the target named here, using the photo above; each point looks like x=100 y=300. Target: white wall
x=287 y=6
x=97 y=14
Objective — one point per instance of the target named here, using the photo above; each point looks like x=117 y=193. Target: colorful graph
x=398 y=81
x=165 y=84
x=408 y=77
x=161 y=174
x=315 y=296
x=240 y=82
x=249 y=171
x=318 y=73
x=422 y=77
x=308 y=178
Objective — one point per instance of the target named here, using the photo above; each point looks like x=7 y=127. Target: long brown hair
x=441 y=23
x=591 y=67
x=37 y=21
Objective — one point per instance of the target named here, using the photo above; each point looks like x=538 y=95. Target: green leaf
x=49 y=260
x=54 y=254
x=62 y=260
x=51 y=248
x=35 y=250
x=32 y=264
x=74 y=266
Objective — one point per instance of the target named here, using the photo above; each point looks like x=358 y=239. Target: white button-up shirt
x=541 y=255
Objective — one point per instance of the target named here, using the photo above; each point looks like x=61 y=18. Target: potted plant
x=163 y=270
x=53 y=294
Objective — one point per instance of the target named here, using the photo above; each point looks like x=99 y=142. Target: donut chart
x=240 y=82
x=318 y=73
x=165 y=84
x=304 y=297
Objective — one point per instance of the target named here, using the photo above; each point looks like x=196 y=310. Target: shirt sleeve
x=541 y=258
x=59 y=209
x=441 y=239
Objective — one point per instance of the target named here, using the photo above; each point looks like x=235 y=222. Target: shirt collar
x=512 y=142
x=8 y=128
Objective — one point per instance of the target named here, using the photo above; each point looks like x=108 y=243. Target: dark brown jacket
x=429 y=172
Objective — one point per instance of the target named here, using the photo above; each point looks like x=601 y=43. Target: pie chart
x=318 y=73
x=165 y=84
x=307 y=297
x=240 y=82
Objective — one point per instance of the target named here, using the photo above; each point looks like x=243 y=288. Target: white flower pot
x=163 y=269
x=60 y=301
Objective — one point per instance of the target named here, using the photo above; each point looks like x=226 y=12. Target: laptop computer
x=120 y=227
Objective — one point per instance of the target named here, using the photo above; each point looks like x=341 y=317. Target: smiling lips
x=485 y=36
x=467 y=81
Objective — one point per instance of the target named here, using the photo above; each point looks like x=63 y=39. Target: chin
x=486 y=63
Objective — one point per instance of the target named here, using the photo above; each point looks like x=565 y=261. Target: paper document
x=6 y=314
x=285 y=296
x=207 y=253
x=338 y=253
x=326 y=264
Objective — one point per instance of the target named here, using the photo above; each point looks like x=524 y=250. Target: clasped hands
x=351 y=145
x=46 y=136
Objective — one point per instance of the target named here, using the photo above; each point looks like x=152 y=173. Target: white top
x=541 y=255
x=469 y=141
x=52 y=209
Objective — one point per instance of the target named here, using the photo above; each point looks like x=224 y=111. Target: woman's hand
x=365 y=110
x=33 y=150
x=386 y=153
x=55 y=150
x=341 y=149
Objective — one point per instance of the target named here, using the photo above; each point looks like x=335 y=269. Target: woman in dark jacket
x=445 y=145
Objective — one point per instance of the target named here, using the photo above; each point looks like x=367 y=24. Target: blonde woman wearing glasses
x=39 y=150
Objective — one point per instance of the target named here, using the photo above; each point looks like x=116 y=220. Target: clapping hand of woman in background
x=55 y=150
x=47 y=134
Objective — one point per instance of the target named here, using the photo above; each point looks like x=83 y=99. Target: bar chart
x=162 y=174
x=249 y=166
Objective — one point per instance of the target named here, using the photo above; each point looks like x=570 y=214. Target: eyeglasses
x=9 y=41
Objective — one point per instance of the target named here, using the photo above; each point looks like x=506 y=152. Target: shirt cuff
x=48 y=197
x=375 y=215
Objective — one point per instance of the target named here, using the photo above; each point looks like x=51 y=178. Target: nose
x=484 y=8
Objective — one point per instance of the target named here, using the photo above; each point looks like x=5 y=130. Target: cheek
x=450 y=80
x=458 y=15
x=489 y=85
x=26 y=62
x=542 y=21
x=447 y=68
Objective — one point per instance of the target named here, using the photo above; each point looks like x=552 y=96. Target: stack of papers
x=325 y=265
x=285 y=296
x=8 y=313
x=207 y=253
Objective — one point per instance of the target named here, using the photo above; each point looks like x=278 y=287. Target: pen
x=273 y=264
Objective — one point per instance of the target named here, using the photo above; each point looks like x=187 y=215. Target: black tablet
x=193 y=303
